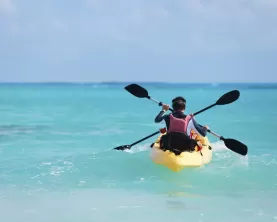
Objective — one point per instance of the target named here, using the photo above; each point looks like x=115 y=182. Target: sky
x=138 y=40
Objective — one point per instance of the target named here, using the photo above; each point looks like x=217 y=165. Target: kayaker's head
x=179 y=104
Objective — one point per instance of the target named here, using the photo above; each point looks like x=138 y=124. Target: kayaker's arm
x=201 y=130
x=160 y=116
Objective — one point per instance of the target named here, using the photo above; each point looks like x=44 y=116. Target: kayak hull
x=177 y=163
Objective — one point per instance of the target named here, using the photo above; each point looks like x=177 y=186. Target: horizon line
x=124 y=82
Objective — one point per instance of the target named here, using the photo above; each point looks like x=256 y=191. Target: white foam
x=219 y=146
x=222 y=152
x=139 y=148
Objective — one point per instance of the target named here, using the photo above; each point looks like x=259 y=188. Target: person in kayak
x=180 y=126
x=179 y=106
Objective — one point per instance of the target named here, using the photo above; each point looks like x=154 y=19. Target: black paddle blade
x=124 y=147
x=236 y=146
x=137 y=91
x=228 y=97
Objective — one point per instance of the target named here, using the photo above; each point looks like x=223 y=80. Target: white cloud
x=159 y=25
x=210 y=25
x=7 y=7
x=133 y=16
x=230 y=24
x=123 y=32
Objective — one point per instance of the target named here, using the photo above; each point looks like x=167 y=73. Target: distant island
x=151 y=84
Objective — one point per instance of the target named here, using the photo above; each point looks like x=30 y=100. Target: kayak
x=186 y=159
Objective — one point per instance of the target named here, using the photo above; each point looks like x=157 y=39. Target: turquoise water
x=57 y=164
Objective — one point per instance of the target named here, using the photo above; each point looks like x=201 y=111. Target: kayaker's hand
x=165 y=107
x=206 y=127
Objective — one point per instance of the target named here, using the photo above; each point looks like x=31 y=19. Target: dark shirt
x=178 y=114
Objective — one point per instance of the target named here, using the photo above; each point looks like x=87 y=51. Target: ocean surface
x=57 y=162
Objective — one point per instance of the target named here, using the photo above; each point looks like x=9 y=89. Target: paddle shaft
x=156 y=101
x=145 y=138
x=220 y=137
x=202 y=110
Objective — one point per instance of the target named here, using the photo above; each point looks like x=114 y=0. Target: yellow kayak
x=185 y=159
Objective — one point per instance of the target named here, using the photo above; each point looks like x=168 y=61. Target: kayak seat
x=177 y=143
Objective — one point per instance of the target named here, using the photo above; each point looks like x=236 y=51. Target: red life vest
x=181 y=125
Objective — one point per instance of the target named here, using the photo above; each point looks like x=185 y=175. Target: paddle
x=124 y=147
x=232 y=144
x=141 y=92
x=227 y=98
